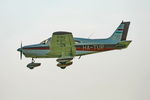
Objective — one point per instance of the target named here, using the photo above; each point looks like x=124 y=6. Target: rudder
x=125 y=31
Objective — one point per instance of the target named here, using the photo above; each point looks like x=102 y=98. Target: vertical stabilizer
x=120 y=33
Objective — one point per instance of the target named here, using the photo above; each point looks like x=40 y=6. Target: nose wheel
x=32 y=65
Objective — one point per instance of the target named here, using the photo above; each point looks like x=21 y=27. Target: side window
x=45 y=41
x=76 y=41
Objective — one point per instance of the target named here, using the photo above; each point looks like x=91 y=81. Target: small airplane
x=65 y=47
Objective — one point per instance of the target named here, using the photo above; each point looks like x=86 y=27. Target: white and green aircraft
x=65 y=47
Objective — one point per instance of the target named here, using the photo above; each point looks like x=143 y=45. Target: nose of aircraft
x=19 y=49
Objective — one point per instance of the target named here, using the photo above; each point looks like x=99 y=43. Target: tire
x=62 y=67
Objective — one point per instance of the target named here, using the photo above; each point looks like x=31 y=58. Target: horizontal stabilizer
x=123 y=44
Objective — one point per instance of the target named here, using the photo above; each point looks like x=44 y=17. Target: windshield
x=45 y=41
x=76 y=41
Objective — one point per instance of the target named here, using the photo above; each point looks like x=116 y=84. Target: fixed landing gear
x=64 y=62
x=33 y=60
x=32 y=65
x=62 y=67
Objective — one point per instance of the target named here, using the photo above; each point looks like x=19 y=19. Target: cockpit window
x=76 y=41
x=45 y=41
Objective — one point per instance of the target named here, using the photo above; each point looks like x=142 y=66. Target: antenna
x=90 y=35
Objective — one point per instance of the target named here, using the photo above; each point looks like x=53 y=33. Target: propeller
x=21 y=51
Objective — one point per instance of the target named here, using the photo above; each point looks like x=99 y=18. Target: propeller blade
x=21 y=51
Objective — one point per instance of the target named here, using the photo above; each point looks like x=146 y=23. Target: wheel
x=62 y=67
x=30 y=67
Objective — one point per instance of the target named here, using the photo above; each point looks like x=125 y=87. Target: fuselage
x=83 y=46
x=63 y=46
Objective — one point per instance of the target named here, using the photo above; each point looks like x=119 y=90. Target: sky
x=114 y=75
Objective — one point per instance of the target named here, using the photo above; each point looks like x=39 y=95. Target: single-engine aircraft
x=65 y=47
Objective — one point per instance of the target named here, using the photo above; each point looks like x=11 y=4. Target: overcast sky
x=113 y=75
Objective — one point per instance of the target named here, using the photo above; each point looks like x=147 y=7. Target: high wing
x=62 y=44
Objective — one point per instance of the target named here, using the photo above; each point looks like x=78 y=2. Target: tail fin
x=120 y=33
